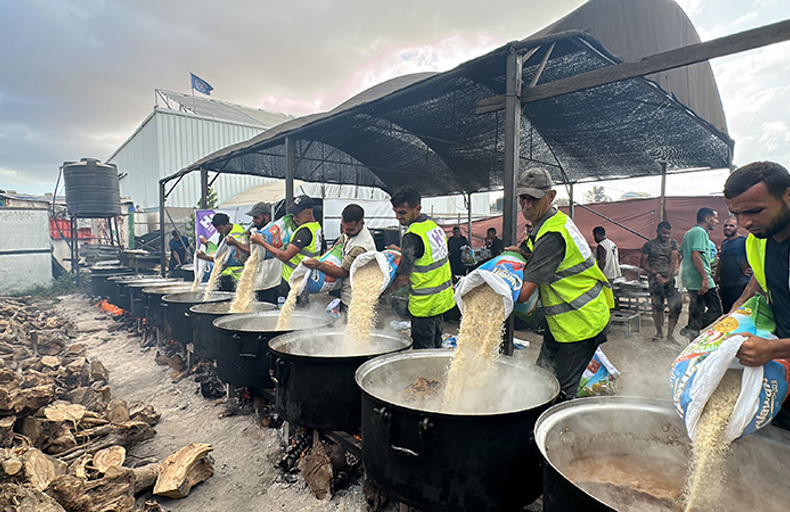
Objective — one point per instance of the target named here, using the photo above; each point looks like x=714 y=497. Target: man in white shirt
x=607 y=255
x=356 y=240
x=267 y=276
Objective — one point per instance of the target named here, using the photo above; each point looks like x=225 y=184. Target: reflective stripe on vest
x=577 y=301
x=430 y=282
x=234 y=266
x=311 y=250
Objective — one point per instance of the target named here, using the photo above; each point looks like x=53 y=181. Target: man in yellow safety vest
x=758 y=194
x=575 y=295
x=425 y=266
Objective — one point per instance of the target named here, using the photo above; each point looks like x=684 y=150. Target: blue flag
x=201 y=85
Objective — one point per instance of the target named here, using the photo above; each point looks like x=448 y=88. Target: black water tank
x=92 y=188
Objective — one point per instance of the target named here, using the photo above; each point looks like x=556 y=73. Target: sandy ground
x=245 y=478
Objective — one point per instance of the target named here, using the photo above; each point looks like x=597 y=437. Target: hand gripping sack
x=697 y=371
x=278 y=233
x=387 y=260
x=318 y=281
x=504 y=274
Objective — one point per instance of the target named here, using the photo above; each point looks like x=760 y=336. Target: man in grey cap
x=575 y=295
x=267 y=276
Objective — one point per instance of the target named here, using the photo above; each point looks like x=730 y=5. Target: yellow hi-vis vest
x=311 y=250
x=430 y=281
x=234 y=265
x=755 y=253
x=577 y=301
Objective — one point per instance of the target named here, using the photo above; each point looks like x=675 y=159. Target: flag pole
x=194 y=111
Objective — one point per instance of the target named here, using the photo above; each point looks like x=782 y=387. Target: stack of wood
x=63 y=437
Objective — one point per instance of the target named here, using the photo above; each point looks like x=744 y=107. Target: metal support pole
x=571 y=208
x=513 y=78
x=662 y=202
x=203 y=189
x=290 y=167
x=163 y=255
x=469 y=218
x=75 y=252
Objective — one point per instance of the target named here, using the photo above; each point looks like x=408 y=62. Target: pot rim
x=179 y=297
x=432 y=353
x=145 y=283
x=282 y=339
x=197 y=308
x=167 y=289
x=217 y=323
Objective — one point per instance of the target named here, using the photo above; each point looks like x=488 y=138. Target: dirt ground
x=245 y=478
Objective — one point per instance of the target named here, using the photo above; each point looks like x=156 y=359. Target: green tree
x=597 y=194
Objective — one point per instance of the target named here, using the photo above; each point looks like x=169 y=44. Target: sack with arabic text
x=317 y=281
x=387 y=260
x=504 y=274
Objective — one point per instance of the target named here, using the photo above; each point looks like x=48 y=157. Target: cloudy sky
x=77 y=76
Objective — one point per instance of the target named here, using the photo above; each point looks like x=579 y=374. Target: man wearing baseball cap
x=306 y=241
x=269 y=271
x=575 y=295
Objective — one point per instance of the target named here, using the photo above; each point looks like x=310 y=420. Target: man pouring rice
x=575 y=295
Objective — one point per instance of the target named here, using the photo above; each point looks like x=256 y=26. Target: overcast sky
x=77 y=77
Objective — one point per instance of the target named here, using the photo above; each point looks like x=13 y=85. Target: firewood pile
x=63 y=437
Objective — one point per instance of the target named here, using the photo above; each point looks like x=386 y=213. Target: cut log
x=144 y=413
x=316 y=468
x=26 y=401
x=10 y=463
x=26 y=499
x=114 y=492
x=111 y=456
x=145 y=476
x=7 y=430
x=184 y=469
x=50 y=361
x=62 y=411
x=39 y=469
x=88 y=397
x=79 y=467
x=117 y=411
x=125 y=434
x=47 y=435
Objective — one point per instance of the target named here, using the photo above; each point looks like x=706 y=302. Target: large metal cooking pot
x=204 y=335
x=178 y=324
x=134 y=293
x=314 y=375
x=152 y=301
x=100 y=286
x=243 y=356
x=437 y=460
x=631 y=453
x=116 y=297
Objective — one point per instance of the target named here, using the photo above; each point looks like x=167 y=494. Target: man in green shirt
x=704 y=302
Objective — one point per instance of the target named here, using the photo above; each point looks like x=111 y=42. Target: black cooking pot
x=243 y=356
x=631 y=453
x=186 y=272
x=446 y=460
x=100 y=285
x=116 y=297
x=178 y=324
x=134 y=293
x=152 y=301
x=204 y=335
x=314 y=375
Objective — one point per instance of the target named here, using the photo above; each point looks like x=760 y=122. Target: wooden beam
x=691 y=54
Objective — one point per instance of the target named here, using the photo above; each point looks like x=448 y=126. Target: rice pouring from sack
x=476 y=350
x=242 y=301
x=705 y=484
x=368 y=281
x=284 y=320
x=213 y=280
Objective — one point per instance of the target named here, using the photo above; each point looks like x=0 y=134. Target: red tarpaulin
x=640 y=215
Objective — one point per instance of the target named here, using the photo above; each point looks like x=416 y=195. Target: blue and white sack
x=387 y=260
x=317 y=281
x=278 y=233
x=697 y=371
x=599 y=378
x=504 y=274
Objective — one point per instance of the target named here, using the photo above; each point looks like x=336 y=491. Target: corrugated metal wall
x=169 y=141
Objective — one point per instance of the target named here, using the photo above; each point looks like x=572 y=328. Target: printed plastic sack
x=697 y=371
x=387 y=260
x=318 y=281
x=599 y=378
x=504 y=274
x=467 y=255
x=278 y=233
